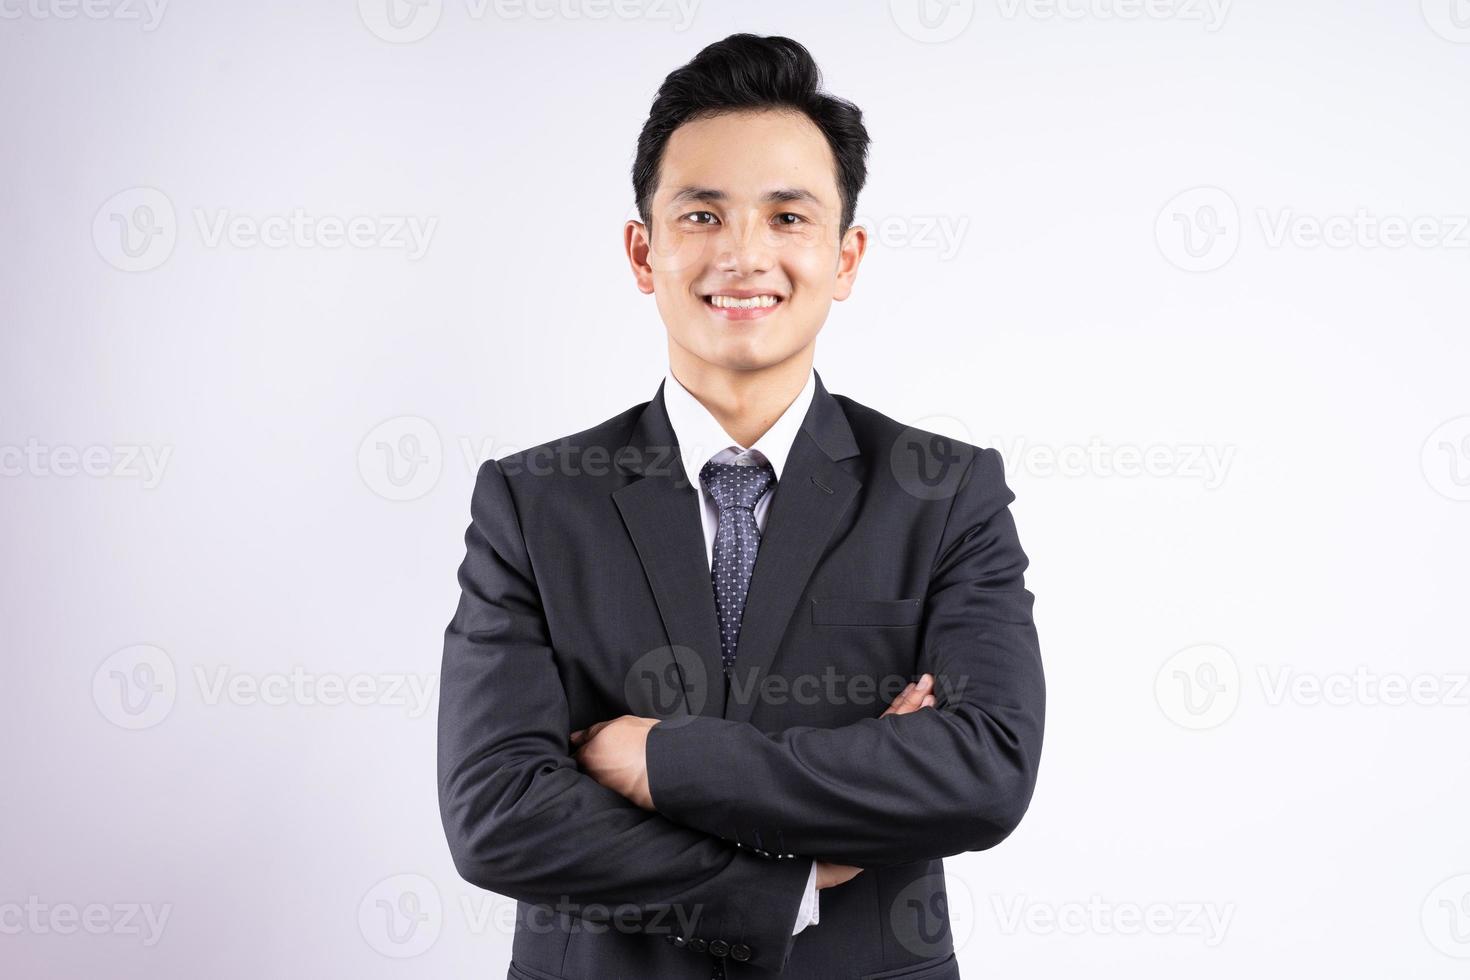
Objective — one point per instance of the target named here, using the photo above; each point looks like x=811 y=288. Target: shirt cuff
x=810 y=912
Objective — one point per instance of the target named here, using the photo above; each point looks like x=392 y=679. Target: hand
x=917 y=695
x=829 y=874
x=612 y=752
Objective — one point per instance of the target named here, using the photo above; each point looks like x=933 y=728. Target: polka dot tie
x=735 y=489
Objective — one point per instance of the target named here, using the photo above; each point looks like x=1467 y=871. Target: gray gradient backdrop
x=275 y=277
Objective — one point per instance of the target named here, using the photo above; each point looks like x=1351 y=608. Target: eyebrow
x=780 y=195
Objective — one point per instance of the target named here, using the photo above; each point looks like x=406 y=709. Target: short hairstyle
x=746 y=72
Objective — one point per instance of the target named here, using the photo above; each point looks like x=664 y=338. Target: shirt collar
x=701 y=437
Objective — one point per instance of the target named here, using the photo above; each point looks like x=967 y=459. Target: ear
x=849 y=255
x=638 y=243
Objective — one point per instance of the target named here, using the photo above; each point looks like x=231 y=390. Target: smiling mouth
x=764 y=302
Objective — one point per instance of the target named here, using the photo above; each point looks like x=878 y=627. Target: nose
x=744 y=248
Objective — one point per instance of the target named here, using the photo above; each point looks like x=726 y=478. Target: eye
x=788 y=214
x=695 y=214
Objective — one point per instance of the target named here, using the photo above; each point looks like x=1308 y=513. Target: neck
x=745 y=403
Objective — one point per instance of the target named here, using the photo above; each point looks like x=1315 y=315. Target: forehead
x=746 y=154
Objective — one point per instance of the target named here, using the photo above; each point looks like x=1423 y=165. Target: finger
x=913 y=699
x=928 y=701
x=898 y=701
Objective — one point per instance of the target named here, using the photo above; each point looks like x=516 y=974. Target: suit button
x=697 y=944
x=718 y=947
x=740 y=951
x=679 y=941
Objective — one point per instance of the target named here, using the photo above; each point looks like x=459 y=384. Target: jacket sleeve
x=523 y=821
x=891 y=790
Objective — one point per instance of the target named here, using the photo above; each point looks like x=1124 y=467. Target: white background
x=1095 y=236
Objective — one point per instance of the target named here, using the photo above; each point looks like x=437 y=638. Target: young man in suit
x=674 y=721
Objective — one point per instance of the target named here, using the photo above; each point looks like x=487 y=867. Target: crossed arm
x=522 y=819
x=908 y=785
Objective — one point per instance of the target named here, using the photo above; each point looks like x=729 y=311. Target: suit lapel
x=661 y=513
x=810 y=498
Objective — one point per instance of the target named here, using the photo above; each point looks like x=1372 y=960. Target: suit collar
x=661 y=514
x=652 y=446
x=701 y=437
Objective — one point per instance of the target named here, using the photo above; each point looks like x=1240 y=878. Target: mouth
x=743 y=306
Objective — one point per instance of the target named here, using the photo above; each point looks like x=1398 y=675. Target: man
x=673 y=716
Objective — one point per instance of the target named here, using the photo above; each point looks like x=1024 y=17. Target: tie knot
x=737 y=485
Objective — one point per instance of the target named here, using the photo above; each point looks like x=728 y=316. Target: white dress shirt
x=701 y=439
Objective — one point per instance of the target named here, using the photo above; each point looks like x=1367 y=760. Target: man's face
x=746 y=208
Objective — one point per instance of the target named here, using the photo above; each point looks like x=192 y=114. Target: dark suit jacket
x=888 y=552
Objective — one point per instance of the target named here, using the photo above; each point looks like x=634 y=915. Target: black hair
x=747 y=72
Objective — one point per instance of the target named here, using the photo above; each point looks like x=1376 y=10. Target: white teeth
x=755 y=302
